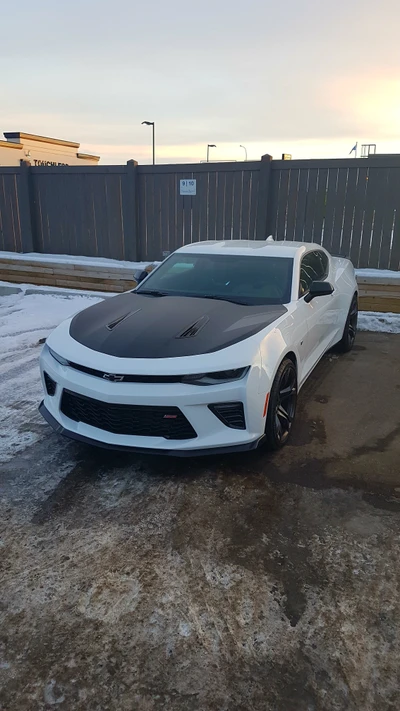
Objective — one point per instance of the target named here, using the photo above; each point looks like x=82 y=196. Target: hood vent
x=119 y=320
x=194 y=328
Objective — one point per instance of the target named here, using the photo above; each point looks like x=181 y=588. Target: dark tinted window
x=249 y=279
x=314 y=267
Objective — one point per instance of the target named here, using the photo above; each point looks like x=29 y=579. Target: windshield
x=246 y=279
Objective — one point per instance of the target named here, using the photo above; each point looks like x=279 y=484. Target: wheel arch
x=292 y=356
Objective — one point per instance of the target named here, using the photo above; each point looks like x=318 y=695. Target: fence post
x=25 y=212
x=263 y=195
x=129 y=211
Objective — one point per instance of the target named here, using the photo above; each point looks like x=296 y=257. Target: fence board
x=10 y=232
x=390 y=199
x=292 y=203
x=212 y=206
x=273 y=202
x=331 y=196
x=370 y=204
x=394 y=258
x=282 y=204
x=229 y=202
x=200 y=203
x=310 y=204
x=220 y=227
x=339 y=210
x=179 y=201
x=254 y=197
x=237 y=205
x=380 y=206
x=186 y=237
x=359 y=209
x=141 y=218
x=345 y=241
x=301 y=206
x=394 y=262
x=165 y=208
x=320 y=205
x=245 y=207
x=149 y=216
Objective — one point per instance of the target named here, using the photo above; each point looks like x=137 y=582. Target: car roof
x=278 y=248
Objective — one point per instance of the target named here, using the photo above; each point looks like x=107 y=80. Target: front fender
x=275 y=346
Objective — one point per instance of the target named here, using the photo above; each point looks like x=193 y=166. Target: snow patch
x=185 y=629
x=72 y=259
x=25 y=320
x=378 y=273
x=378 y=322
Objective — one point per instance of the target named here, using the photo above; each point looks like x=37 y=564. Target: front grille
x=139 y=420
x=50 y=384
x=230 y=413
x=129 y=378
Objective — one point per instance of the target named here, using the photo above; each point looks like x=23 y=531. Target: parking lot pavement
x=250 y=582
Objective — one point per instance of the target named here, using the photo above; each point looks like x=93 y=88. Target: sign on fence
x=187 y=187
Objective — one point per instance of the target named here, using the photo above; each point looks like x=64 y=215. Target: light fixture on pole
x=245 y=150
x=151 y=123
x=210 y=145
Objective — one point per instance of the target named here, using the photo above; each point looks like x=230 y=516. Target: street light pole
x=152 y=123
x=210 y=145
x=245 y=151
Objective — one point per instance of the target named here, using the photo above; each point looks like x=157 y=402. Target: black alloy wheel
x=350 y=329
x=282 y=405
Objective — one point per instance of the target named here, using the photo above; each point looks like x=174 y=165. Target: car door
x=320 y=313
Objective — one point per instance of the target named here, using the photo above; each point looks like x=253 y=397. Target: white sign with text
x=187 y=187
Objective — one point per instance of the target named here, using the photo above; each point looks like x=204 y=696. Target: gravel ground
x=234 y=583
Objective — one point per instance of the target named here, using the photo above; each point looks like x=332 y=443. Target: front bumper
x=213 y=436
x=230 y=449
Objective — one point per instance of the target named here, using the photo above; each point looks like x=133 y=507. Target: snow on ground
x=29 y=289
x=71 y=259
x=380 y=322
x=24 y=321
x=378 y=273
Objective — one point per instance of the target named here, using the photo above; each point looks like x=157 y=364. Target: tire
x=350 y=329
x=281 y=406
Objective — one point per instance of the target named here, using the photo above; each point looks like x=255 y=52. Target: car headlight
x=57 y=357
x=221 y=376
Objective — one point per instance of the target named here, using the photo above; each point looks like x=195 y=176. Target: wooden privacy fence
x=351 y=206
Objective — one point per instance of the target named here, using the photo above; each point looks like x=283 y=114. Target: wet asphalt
x=229 y=583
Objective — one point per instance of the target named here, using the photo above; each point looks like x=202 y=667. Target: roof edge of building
x=87 y=156
x=43 y=139
x=8 y=144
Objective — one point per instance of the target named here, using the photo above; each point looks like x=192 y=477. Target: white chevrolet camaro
x=206 y=355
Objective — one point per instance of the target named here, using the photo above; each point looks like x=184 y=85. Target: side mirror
x=140 y=275
x=318 y=288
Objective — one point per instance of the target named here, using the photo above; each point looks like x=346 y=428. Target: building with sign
x=39 y=150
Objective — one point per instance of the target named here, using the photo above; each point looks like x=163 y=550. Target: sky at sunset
x=308 y=78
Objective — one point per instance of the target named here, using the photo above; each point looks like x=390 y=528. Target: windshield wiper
x=152 y=292
x=226 y=298
x=156 y=292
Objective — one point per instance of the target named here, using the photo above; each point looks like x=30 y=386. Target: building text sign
x=188 y=187
x=47 y=162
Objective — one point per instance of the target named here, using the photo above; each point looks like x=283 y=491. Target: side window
x=314 y=267
x=324 y=262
